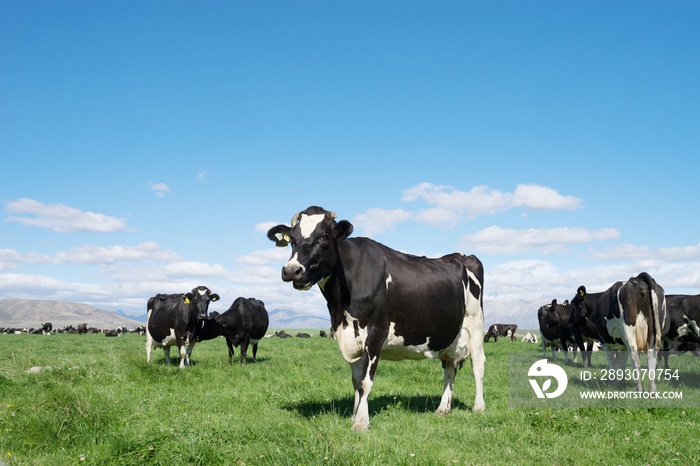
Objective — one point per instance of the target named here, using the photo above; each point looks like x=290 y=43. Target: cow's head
x=199 y=299
x=579 y=311
x=313 y=235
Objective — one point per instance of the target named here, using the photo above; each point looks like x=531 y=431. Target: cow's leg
x=166 y=350
x=651 y=365
x=229 y=343
x=446 y=401
x=183 y=356
x=149 y=347
x=255 y=352
x=188 y=352
x=355 y=373
x=364 y=380
x=636 y=364
x=244 y=349
x=476 y=352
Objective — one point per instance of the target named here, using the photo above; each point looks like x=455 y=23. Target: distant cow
x=46 y=328
x=554 y=328
x=303 y=335
x=172 y=319
x=112 y=333
x=387 y=304
x=500 y=330
x=82 y=328
x=632 y=315
x=281 y=334
x=322 y=334
x=245 y=322
x=529 y=338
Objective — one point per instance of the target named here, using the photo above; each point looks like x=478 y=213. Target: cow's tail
x=658 y=306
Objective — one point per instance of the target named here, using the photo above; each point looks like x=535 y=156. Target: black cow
x=388 y=304
x=554 y=328
x=46 y=328
x=245 y=322
x=632 y=315
x=172 y=320
x=500 y=330
x=582 y=322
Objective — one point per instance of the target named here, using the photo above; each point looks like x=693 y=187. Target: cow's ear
x=214 y=297
x=280 y=235
x=342 y=229
x=581 y=291
x=187 y=297
x=554 y=303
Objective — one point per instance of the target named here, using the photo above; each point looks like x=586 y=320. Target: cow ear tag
x=581 y=292
x=213 y=299
x=187 y=300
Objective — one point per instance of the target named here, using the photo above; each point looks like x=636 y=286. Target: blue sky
x=147 y=146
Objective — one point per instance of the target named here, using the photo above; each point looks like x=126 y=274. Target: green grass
x=102 y=404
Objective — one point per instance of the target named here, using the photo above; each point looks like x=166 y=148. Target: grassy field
x=102 y=404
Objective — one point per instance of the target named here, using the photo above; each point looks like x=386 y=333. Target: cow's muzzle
x=295 y=273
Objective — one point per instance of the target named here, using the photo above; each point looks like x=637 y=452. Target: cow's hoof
x=442 y=411
x=479 y=407
x=360 y=428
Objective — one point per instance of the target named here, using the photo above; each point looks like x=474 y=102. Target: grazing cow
x=245 y=322
x=388 y=304
x=554 y=328
x=632 y=315
x=501 y=330
x=82 y=328
x=172 y=319
x=322 y=334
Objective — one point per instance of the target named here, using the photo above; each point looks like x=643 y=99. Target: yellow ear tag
x=581 y=292
x=187 y=300
x=287 y=238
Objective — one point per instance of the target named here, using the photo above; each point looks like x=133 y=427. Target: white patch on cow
x=308 y=224
x=394 y=348
x=388 y=280
x=350 y=345
x=202 y=292
x=167 y=341
x=689 y=328
x=294 y=261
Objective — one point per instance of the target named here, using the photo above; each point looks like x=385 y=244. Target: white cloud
x=543 y=198
x=202 y=176
x=265 y=257
x=264 y=227
x=61 y=218
x=376 y=220
x=161 y=189
x=497 y=240
x=644 y=253
x=91 y=254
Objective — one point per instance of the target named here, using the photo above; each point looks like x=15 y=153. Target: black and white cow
x=554 y=328
x=500 y=330
x=245 y=322
x=684 y=331
x=632 y=315
x=172 y=321
x=384 y=303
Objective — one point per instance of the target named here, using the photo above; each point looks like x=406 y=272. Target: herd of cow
x=390 y=305
x=635 y=315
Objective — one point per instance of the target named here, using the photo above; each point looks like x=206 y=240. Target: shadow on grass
x=344 y=406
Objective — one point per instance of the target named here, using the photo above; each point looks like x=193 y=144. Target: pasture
x=102 y=404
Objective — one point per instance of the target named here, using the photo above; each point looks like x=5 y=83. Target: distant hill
x=285 y=318
x=34 y=312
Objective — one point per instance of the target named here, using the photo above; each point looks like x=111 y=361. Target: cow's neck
x=335 y=289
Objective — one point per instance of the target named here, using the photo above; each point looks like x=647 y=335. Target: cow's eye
x=324 y=237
